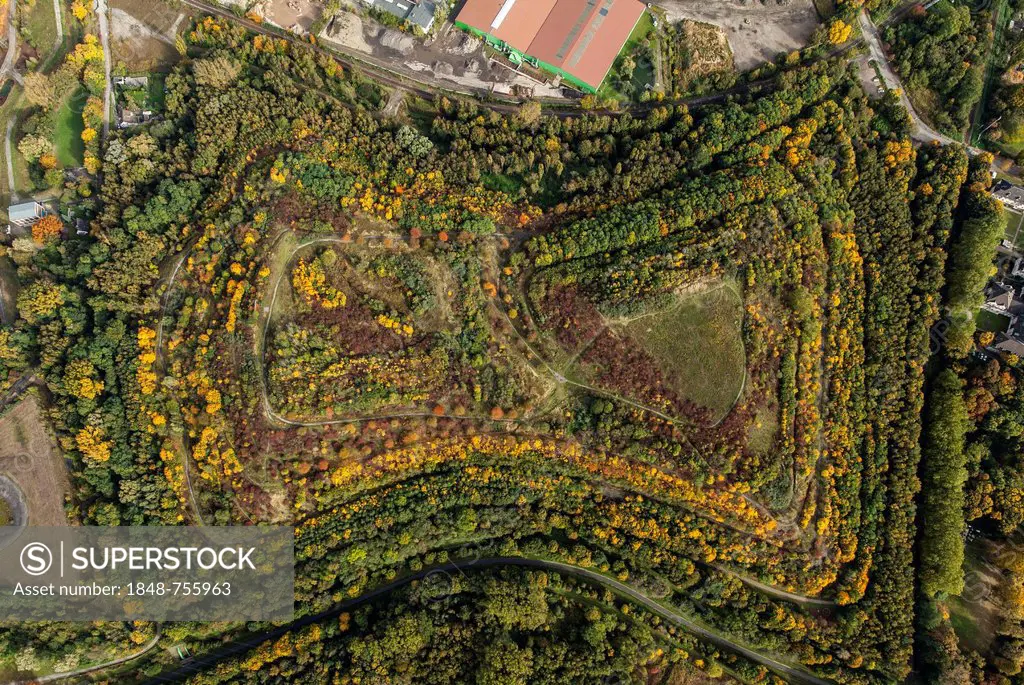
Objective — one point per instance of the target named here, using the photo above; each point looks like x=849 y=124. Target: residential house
x=1010 y=195
x=1005 y=300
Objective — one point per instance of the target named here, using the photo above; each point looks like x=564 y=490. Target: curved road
x=12 y=42
x=200 y=663
x=53 y=677
x=922 y=131
x=101 y=14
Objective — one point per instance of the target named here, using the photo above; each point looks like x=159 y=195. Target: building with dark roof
x=575 y=39
x=1010 y=195
x=418 y=12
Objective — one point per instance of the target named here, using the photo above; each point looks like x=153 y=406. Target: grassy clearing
x=1014 y=223
x=157 y=91
x=643 y=27
x=39 y=26
x=67 y=134
x=989 y=321
x=421 y=113
x=23 y=433
x=975 y=614
x=825 y=9
x=698 y=345
x=5 y=513
x=761 y=437
x=9 y=109
x=22 y=179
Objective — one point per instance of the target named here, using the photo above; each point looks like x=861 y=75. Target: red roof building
x=578 y=39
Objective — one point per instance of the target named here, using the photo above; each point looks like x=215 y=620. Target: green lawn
x=22 y=180
x=9 y=281
x=39 y=27
x=157 y=92
x=698 y=344
x=761 y=438
x=1013 y=222
x=640 y=31
x=67 y=134
x=988 y=321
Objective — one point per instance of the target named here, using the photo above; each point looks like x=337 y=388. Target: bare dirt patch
x=709 y=47
x=30 y=458
x=756 y=32
x=158 y=16
x=295 y=15
x=143 y=33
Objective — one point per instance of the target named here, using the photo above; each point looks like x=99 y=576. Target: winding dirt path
x=790 y=671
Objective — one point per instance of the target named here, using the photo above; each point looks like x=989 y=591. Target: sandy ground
x=31 y=459
x=295 y=15
x=395 y=102
x=142 y=34
x=158 y=16
x=756 y=32
x=124 y=26
x=454 y=56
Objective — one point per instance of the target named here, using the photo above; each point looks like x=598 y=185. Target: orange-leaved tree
x=46 y=229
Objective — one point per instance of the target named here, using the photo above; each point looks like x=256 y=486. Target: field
x=22 y=184
x=67 y=134
x=39 y=26
x=142 y=35
x=1014 y=222
x=29 y=457
x=975 y=612
x=698 y=345
x=757 y=32
x=990 y=321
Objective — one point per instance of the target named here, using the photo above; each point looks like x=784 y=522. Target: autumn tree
x=46 y=229
x=216 y=72
x=39 y=89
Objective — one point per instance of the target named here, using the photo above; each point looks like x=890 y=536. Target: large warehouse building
x=577 y=39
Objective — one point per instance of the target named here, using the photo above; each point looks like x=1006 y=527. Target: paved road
x=101 y=14
x=922 y=131
x=60 y=25
x=12 y=42
x=200 y=663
